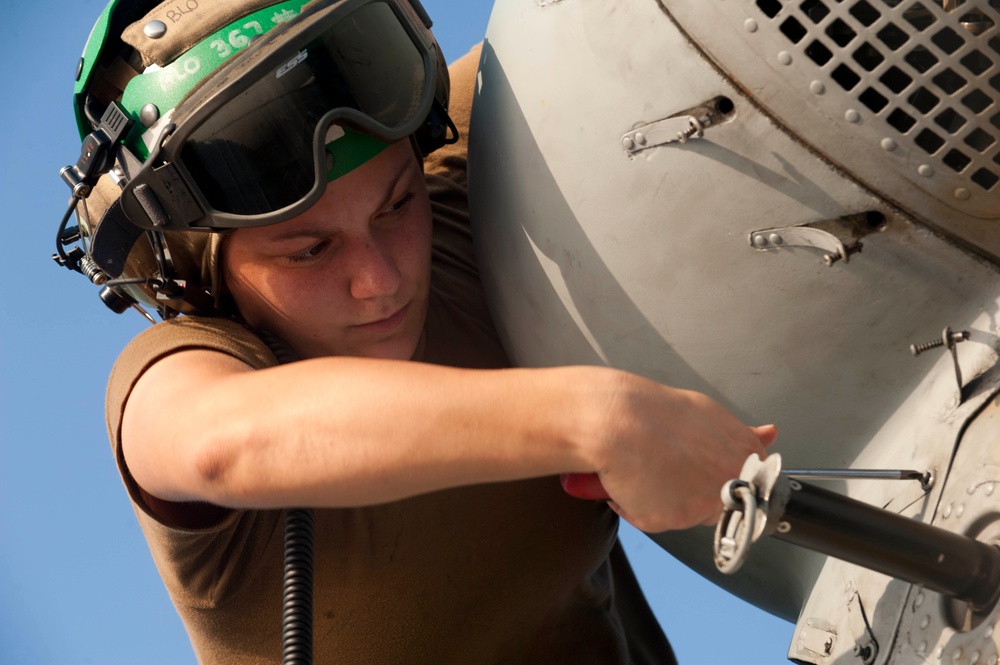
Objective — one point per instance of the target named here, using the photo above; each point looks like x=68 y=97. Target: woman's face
x=351 y=275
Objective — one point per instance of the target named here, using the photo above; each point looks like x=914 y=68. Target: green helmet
x=215 y=116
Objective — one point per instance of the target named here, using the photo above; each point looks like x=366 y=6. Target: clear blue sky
x=77 y=584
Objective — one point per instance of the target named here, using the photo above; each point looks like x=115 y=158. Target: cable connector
x=97 y=153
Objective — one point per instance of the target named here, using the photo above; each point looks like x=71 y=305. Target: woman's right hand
x=663 y=454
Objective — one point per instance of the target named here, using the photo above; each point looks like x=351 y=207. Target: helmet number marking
x=225 y=43
x=237 y=39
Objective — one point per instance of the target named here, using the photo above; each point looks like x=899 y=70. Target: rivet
x=922 y=649
x=925 y=621
x=974 y=658
x=628 y=143
x=750 y=25
x=926 y=170
x=852 y=116
x=957 y=656
x=775 y=239
x=989 y=630
x=759 y=241
x=946 y=513
x=785 y=58
x=989 y=489
x=784 y=527
x=148 y=115
x=962 y=194
x=817 y=87
x=888 y=144
x=960 y=510
x=919 y=600
x=795 y=485
x=155 y=29
x=640 y=138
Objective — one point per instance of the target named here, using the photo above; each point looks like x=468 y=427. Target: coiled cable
x=296 y=617
x=296 y=607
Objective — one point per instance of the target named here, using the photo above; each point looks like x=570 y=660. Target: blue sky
x=77 y=584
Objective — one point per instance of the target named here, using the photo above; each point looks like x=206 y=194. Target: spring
x=917 y=349
x=296 y=619
x=948 y=338
x=92 y=271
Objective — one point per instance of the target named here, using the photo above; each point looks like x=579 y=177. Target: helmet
x=209 y=117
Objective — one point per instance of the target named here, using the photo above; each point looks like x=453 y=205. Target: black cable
x=63 y=256
x=145 y=281
x=156 y=240
x=296 y=617
x=297 y=605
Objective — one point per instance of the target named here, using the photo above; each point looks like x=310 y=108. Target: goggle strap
x=438 y=130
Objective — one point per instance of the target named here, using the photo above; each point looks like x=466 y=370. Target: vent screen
x=930 y=69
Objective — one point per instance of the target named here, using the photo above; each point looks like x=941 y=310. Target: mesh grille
x=929 y=69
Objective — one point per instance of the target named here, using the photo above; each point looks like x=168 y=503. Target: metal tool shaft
x=856 y=532
x=871 y=474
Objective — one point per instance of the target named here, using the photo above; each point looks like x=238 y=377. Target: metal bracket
x=679 y=127
x=805 y=236
x=816 y=639
x=661 y=132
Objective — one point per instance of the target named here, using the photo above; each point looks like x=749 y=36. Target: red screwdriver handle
x=584 y=486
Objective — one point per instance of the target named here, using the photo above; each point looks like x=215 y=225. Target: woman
x=442 y=532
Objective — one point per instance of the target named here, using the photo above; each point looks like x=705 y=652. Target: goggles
x=257 y=142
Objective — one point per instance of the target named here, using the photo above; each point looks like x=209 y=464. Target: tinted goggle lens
x=257 y=153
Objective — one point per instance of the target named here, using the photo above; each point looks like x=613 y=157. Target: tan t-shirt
x=504 y=573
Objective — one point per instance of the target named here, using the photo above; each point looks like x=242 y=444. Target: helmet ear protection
x=236 y=116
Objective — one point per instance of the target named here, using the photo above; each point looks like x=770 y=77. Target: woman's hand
x=664 y=455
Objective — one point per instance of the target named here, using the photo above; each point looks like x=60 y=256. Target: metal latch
x=678 y=128
x=806 y=236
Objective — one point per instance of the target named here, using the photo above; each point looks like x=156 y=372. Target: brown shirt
x=504 y=573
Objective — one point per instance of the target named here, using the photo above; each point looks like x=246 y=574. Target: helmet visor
x=254 y=145
x=255 y=154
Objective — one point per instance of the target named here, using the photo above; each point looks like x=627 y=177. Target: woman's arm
x=333 y=432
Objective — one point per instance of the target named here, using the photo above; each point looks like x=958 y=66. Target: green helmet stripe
x=350 y=151
x=166 y=86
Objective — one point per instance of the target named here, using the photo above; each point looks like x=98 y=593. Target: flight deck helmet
x=202 y=116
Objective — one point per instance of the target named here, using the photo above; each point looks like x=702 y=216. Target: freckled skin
x=351 y=275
